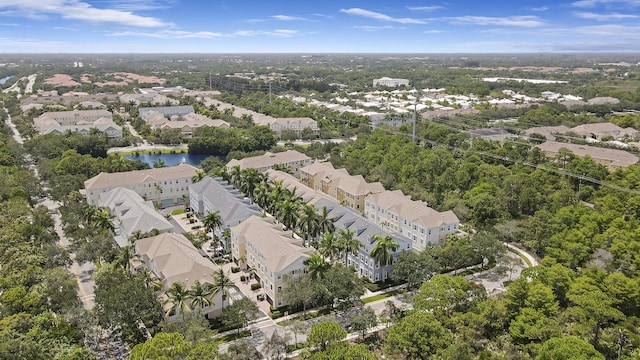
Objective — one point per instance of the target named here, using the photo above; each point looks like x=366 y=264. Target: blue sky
x=402 y=26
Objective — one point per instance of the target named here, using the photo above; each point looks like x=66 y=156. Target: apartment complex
x=390 y=82
x=172 y=258
x=131 y=214
x=349 y=190
x=611 y=158
x=262 y=245
x=210 y=195
x=347 y=218
x=164 y=186
x=414 y=219
x=78 y=121
x=296 y=125
x=291 y=158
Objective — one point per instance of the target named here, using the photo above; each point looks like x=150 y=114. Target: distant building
x=290 y=158
x=492 y=134
x=296 y=125
x=611 y=158
x=389 y=82
x=600 y=130
x=167 y=111
x=78 y=121
x=549 y=132
x=164 y=186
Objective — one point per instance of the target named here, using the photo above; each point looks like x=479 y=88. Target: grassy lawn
x=524 y=258
x=235 y=336
x=177 y=212
x=382 y=296
x=310 y=315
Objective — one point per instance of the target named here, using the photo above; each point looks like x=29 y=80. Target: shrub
x=196 y=227
x=235 y=269
x=276 y=314
x=243 y=278
x=255 y=286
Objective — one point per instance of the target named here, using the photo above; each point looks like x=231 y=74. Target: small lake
x=169 y=159
x=4 y=79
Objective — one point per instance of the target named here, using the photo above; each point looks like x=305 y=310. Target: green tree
x=179 y=299
x=418 y=336
x=364 y=321
x=161 y=346
x=200 y=295
x=383 y=251
x=317 y=266
x=348 y=244
x=239 y=314
x=568 y=348
x=325 y=333
x=221 y=284
x=212 y=221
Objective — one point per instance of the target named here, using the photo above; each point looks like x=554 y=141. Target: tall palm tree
x=198 y=176
x=250 y=180
x=212 y=221
x=287 y=214
x=235 y=176
x=317 y=267
x=329 y=246
x=308 y=222
x=325 y=223
x=127 y=256
x=347 y=243
x=200 y=295
x=221 y=284
x=178 y=296
x=262 y=194
x=103 y=219
x=150 y=280
x=382 y=253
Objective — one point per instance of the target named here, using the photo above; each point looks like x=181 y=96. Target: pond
x=4 y=79
x=169 y=159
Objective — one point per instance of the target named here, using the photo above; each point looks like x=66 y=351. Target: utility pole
x=415 y=106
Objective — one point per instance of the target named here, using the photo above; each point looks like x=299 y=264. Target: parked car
x=260 y=297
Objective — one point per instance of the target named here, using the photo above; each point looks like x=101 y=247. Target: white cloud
x=65 y=28
x=375 y=28
x=425 y=8
x=432 y=31
x=77 y=10
x=137 y=5
x=171 y=34
x=610 y=30
x=594 y=3
x=288 y=18
x=605 y=17
x=541 y=8
x=380 y=16
x=517 y=21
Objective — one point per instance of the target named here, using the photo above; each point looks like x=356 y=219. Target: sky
x=320 y=26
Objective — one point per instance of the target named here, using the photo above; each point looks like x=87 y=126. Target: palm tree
x=347 y=243
x=221 y=284
x=235 y=176
x=287 y=214
x=325 y=224
x=262 y=194
x=317 y=266
x=200 y=295
x=198 y=176
x=382 y=253
x=250 y=180
x=103 y=219
x=178 y=296
x=126 y=256
x=308 y=222
x=150 y=280
x=212 y=221
x=329 y=246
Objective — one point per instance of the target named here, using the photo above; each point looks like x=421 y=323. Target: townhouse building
x=131 y=214
x=296 y=125
x=290 y=158
x=612 y=159
x=261 y=244
x=349 y=190
x=390 y=82
x=164 y=186
x=78 y=121
x=417 y=221
x=215 y=194
x=347 y=218
x=172 y=258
